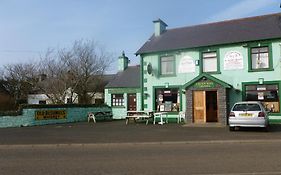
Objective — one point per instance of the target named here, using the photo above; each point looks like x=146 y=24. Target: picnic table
x=139 y=115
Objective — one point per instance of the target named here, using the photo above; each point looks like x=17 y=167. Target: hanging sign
x=186 y=65
x=233 y=60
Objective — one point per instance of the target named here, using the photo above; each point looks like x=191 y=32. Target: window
x=167 y=65
x=210 y=62
x=42 y=102
x=167 y=99
x=117 y=100
x=267 y=94
x=260 y=58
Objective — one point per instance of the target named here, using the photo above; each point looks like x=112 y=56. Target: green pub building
x=204 y=69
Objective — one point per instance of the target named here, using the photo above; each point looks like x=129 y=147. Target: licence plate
x=246 y=115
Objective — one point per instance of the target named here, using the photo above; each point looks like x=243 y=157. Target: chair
x=181 y=116
x=91 y=116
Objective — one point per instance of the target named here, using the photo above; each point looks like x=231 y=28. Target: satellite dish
x=149 y=68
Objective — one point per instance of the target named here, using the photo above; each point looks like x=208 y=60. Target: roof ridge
x=226 y=21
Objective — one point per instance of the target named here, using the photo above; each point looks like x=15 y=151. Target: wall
x=232 y=77
x=121 y=112
x=27 y=118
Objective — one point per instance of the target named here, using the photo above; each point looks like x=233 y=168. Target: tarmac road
x=147 y=159
x=114 y=148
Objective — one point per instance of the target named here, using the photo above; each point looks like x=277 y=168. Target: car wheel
x=266 y=129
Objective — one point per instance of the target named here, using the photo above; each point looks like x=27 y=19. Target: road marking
x=264 y=141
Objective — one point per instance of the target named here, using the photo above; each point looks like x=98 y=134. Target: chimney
x=123 y=62
x=159 y=27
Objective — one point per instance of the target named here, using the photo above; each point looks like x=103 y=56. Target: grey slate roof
x=129 y=78
x=231 y=31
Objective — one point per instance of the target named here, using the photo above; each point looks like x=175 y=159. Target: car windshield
x=246 y=107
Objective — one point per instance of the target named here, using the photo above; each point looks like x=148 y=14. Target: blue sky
x=30 y=27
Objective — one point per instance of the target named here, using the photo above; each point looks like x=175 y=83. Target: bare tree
x=19 y=79
x=75 y=71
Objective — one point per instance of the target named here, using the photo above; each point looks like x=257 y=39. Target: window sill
x=218 y=72
x=261 y=70
x=168 y=75
x=118 y=106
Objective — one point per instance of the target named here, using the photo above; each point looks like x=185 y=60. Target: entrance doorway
x=205 y=107
x=211 y=106
x=132 y=102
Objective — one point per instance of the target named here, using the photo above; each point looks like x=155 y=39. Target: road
x=114 y=148
x=147 y=158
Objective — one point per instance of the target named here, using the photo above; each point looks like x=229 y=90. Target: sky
x=29 y=27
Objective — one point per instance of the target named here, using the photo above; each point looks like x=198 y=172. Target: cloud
x=241 y=9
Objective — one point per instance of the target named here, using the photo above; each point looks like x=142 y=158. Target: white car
x=248 y=114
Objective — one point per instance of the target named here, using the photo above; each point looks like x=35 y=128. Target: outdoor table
x=136 y=115
x=160 y=115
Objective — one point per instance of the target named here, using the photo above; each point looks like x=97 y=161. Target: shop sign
x=50 y=114
x=233 y=60
x=186 y=65
x=204 y=84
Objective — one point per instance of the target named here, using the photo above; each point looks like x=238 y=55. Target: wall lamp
x=261 y=80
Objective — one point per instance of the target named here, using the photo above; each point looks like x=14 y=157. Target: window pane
x=255 y=50
x=209 y=54
x=264 y=62
x=167 y=99
x=263 y=49
x=210 y=65
x=167 y=65
x=260 y=58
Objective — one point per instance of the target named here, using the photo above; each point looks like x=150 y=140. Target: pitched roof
x=129 y=78
x=230 y=31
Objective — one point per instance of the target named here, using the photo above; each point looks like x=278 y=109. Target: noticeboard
x=50 y=114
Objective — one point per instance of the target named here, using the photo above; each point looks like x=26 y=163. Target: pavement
x=116 y=132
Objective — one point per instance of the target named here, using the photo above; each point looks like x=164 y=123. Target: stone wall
x=222 y=103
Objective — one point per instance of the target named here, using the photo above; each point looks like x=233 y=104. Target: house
x=123 y=93
x=204 y=69
x=94 y=90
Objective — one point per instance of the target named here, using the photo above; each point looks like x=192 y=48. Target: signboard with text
x=233 y=60
x=50 y=114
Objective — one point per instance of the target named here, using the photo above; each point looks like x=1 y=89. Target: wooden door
x=199 y=107
x=132 y=102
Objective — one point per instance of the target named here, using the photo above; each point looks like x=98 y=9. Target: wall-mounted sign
x=186 y=65
x=204 y=84
x=233 y=60
x=50 y=114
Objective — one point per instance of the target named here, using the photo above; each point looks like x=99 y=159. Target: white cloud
x=242 y=9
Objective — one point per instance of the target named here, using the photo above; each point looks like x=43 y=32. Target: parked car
x=248 y=114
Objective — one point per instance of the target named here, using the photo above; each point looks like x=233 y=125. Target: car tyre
x=266 y=129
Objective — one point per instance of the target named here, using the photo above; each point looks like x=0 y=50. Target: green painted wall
x=27 y=118
x=232 y=77
x=121 y=112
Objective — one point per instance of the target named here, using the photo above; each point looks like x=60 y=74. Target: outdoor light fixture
x=197 y=62
x=261 y=80
x=166 y=85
